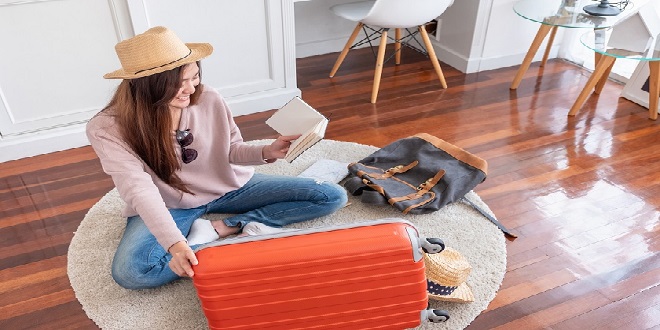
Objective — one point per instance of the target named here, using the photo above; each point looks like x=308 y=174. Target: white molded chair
x=381 y=15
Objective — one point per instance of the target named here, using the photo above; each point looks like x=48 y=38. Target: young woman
x=174 y=153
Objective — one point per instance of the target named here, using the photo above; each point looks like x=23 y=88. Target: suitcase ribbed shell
x=354 y=278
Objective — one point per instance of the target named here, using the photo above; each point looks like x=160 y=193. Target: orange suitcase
x=362 y=276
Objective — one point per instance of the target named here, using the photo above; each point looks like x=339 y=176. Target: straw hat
x=154 y=51
x=446 y=273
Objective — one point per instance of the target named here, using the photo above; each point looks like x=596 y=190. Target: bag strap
x=427 y=185
x=356 y=187
x=489 y=217
x=399 y=169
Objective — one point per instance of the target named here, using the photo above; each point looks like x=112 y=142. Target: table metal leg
x=540 y=35
x=601 y=67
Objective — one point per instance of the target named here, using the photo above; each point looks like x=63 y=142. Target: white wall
x=253 y=64
x=52 y=56
x=505 y=38
x=55 y=52
x=318 y=30
x=474 y=35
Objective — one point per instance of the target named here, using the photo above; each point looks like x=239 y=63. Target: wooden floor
x=582 y=193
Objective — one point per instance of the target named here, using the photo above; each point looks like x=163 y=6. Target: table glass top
x=564 y=13
x=608 y=42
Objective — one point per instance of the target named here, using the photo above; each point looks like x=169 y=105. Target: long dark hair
x=141 y=107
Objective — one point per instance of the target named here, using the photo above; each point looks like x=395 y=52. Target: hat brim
x=198 y=51
x=462 y=294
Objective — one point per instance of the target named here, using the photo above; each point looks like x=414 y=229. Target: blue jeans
x=140 y=262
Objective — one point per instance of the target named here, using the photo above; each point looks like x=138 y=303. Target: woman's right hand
x=182 y=259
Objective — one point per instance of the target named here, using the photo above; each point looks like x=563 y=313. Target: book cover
x=298 y=117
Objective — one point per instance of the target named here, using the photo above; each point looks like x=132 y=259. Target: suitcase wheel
x=432 y=245
x=438 y=315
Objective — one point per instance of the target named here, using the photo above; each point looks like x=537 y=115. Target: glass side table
x=553 y=14
x=608 y=51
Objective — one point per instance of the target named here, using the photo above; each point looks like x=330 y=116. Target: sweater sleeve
x=240 y=153
x=134 y=184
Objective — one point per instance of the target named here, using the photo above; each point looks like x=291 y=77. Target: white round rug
x=176 y=306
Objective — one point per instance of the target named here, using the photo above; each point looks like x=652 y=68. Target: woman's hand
x=182 y=258
x=278 y=148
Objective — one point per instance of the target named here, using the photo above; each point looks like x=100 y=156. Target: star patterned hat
x=446 y=273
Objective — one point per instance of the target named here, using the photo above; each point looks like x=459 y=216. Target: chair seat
x=354 y=11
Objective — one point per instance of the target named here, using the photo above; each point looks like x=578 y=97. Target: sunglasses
x=185 y=138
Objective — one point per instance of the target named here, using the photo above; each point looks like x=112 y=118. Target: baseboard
x=42 y=142
x=478 y=64
x=445 y=54
x=73 y=136
x=322 y=47
x=263 y=101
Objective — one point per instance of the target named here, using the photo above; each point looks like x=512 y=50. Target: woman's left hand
x=278 y=148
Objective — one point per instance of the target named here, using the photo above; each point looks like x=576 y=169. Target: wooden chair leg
x=654 y=88
x=601 y=67
x=551 y=40
x=379 y=66
x=397 y=46
x=540 y=35
x=431 y=52
x=347 y=47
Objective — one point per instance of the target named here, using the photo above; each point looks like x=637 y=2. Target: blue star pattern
x=439 y=290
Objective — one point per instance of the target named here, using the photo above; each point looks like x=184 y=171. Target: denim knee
x=130 y=276
x=336 y=195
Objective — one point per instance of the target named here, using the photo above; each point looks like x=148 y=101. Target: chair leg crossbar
x=406 y=40
x=370 y=32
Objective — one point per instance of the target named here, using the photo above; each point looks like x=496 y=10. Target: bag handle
x=355 y=186
x=423 y=189
x=390 y=172
x=399 y=169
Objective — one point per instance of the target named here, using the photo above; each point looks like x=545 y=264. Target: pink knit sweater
x=220 y=166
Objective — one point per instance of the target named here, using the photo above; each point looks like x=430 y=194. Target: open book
x=298 y=117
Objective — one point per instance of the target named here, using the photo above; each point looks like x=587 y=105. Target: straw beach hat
x=446 y=273
x=154 y=51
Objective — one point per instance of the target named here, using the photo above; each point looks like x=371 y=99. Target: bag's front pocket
x=398 y=193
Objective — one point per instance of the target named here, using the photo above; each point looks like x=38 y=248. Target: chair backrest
x=404 y=13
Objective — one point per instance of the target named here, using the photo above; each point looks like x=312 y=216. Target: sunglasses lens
x=188 y=155
x=185 y=138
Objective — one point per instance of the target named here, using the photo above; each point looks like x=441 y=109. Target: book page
x=295 y=117
x=307 y=140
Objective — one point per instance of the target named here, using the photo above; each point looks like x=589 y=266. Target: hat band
x=166 y=64
x=439 y=290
